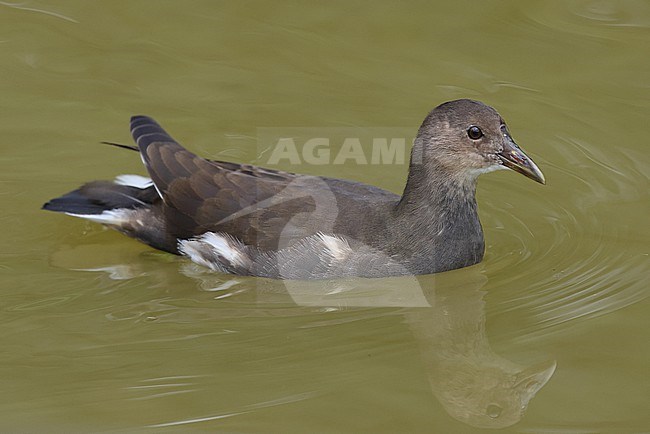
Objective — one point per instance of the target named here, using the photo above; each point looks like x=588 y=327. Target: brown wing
x=248 y=202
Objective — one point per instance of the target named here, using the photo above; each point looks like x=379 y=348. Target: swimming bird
x=248 y=220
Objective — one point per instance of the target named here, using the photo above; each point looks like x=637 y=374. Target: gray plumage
x=247 y=220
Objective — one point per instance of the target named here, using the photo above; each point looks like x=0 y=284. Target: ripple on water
x=584 y=254
x=579 y=16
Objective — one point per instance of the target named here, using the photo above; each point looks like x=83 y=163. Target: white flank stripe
x=337 y=247
x=202 y=250
x=192 y=249
x=222 y=246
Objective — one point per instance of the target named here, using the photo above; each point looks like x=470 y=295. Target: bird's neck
x=430 y=188
x=440 y=215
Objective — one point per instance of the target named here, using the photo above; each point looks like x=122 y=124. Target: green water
x=102 y=334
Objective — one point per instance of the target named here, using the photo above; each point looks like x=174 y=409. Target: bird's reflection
x=474 y=384
x=445 y=312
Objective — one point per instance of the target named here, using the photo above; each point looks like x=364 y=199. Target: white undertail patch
x=137 y=181
x=114 y=217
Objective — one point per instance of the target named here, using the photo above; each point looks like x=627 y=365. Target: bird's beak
x=514 y=158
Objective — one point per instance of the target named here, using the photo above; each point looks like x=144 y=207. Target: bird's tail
x=97 y=197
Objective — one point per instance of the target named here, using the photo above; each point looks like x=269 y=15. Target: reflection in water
x=475 y=385
x=446 y=314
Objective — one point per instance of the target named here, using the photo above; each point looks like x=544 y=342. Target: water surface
x=548 y=333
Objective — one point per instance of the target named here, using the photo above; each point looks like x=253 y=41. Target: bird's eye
x=474 y=132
